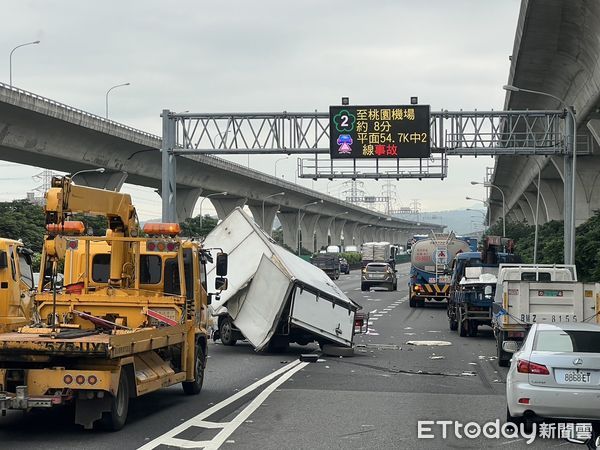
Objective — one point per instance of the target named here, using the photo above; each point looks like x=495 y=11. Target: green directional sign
x=372 y=132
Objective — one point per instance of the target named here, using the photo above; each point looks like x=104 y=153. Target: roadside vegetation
x=551 y=243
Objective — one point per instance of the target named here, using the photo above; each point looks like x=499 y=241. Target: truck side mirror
x=222 y=264
x=3 y=260
x=220 y=283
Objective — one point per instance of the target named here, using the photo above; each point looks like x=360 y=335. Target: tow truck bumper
x=22 y=401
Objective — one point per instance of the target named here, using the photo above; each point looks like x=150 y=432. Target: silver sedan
x=555 y=374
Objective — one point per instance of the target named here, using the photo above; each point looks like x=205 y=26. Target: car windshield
x=567 y=341
x=377 y=268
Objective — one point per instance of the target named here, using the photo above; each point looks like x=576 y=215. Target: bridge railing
x=69 y=108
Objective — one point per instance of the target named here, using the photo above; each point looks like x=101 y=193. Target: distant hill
x=458 y=220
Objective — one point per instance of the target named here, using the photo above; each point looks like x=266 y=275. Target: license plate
x=574 y=376
x=444 y=279
x=549 y=293
x=377 y=276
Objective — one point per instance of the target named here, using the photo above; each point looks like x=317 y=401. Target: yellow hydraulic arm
x=65 y=198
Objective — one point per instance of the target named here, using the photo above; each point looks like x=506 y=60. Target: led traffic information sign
x=379 y=131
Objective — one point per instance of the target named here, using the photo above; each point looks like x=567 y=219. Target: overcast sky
x=254 y=55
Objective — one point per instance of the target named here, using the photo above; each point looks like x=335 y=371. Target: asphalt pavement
x=372 y=400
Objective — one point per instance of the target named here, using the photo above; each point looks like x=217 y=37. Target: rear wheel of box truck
x=194 y=387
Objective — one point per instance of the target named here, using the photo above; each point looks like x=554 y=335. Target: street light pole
x=107 y=92
x=488 y=208
x=488 y=184
x=570 y=172
x=98 y=170
x=280 y=159
x=202 y=201
x=263 y=210
x=10 y=58
x=300 y=218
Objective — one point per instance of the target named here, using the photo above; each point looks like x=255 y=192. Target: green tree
x=97 y=224
x=191 y=227
x=21 y=219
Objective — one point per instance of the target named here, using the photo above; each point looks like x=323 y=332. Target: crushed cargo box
x=274 y=297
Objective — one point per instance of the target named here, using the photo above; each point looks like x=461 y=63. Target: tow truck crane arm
x=65 y=198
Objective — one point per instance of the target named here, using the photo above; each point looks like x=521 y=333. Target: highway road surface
x=373 y=400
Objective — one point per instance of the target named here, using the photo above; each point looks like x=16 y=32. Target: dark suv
x=378 y=274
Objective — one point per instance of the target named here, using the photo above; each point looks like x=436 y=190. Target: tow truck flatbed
x=103 y=345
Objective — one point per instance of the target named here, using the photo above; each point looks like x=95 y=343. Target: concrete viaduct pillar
x=307 y=230
x=224 y=206
x=186 y=201
x=322 y=230
x=270 y=212
x=289 y=224
x=336 y=231
x=350 y=232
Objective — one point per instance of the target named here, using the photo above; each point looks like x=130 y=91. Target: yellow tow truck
x=130 y=317
x=16 y=285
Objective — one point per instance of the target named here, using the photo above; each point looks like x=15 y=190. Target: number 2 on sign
x=344 y=121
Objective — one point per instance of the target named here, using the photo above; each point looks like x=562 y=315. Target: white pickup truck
x=540 y=293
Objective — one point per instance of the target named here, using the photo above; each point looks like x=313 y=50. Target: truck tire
x=473 y=328
x=452 y=323
x=462 y=324
x=503 y=357
x=226 y=331
x=194 y=387
x=115 y=419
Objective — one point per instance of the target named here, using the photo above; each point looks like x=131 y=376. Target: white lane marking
x=374 y=318
x=373 y=312
x=199 y=421
x=377 y=315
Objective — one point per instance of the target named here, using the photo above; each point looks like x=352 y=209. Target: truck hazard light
x=162 y=229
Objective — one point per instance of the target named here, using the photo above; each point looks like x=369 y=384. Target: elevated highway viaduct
x=44 y=133
x=557 y=51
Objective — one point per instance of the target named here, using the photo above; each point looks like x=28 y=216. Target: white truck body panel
x=262 y=279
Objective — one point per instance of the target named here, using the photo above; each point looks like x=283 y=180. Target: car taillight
x=524 y=366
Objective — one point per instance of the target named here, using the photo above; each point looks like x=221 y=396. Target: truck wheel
x=115 y=419
x=452 y=323
x=194 y=387
x=226 y=331
x=462 y=324
x=473 y=328
x=503 y=357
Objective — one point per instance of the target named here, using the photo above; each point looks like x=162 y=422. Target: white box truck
x=273 y=297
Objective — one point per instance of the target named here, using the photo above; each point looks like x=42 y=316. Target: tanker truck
x=430 y=267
